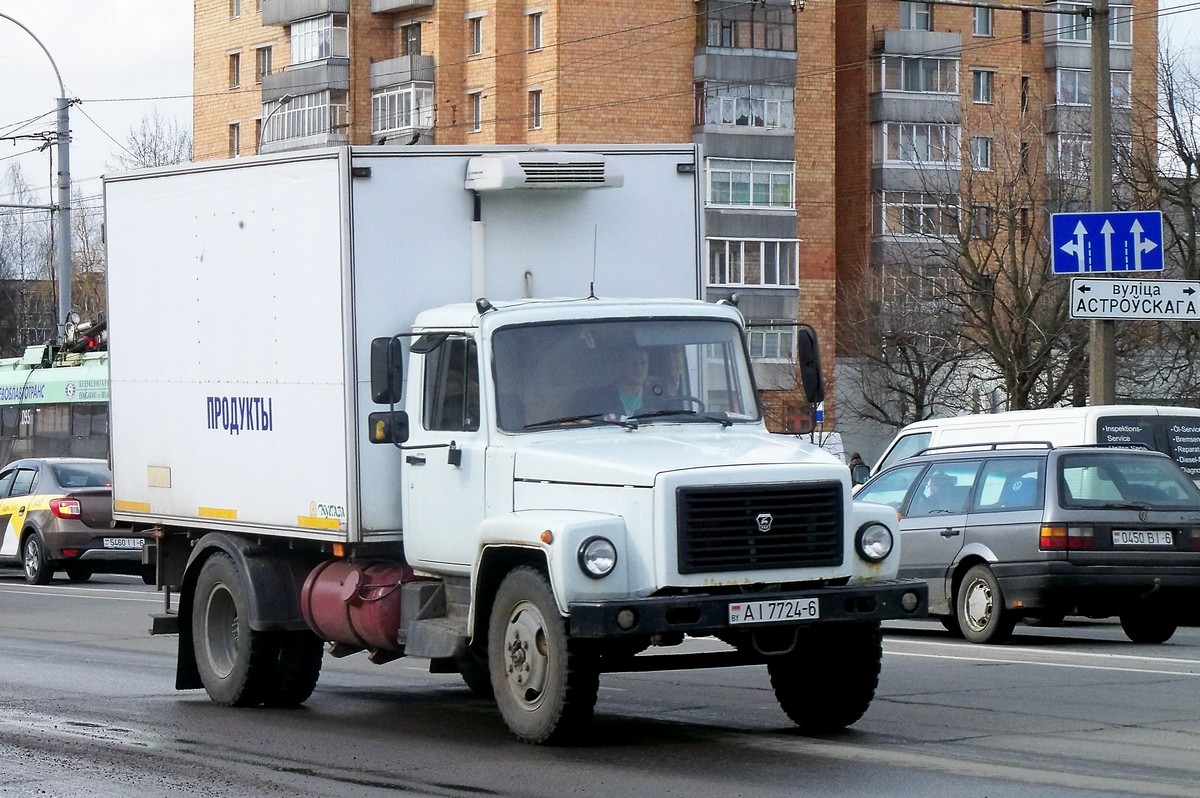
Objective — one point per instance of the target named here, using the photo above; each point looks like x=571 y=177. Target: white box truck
x=341 y=436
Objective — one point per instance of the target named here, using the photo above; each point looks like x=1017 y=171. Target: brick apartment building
x=793 y=104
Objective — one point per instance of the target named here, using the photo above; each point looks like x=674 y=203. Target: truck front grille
x=754 y=527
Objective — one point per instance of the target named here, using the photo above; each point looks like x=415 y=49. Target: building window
x=915 y=16
x=1026 y=26
x=320 y=37
x=982 y=81
x=1071 y=155
x=774 y=342
x=1122 y=89
x=981 y=153
x=747 y=26
x=235 y=70
x=535 y=32
x=476 y=32
x=1024 y=95
x=1077 y=28
x=318 y=114
x=235 y=9
x=759 y=263
x=914 y=213
x=262 y=63
x=402 y=108
x=235 y=140
x=410 y=35
x=258 y=135
x=745 y=105
x=913 y=73
x=1025 y=150
x=917 y=143
x=751 y=184
x=476 y=99
x=535 y=109
x=982 y=21
x=981 y=222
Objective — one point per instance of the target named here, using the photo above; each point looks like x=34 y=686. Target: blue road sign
x=1106 y=241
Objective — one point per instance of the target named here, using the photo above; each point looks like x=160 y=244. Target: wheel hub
x=527 y=661
x=978 y=605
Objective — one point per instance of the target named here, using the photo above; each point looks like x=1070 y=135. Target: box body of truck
x=348 y=408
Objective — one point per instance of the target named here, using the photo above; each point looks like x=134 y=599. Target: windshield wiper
x=723 y=421
x=601 y=417
x=1126 y=506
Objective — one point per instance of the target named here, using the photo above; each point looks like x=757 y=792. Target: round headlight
x=597 y=557
x=874 y=542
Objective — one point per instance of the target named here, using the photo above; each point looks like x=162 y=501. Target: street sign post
x=1106 y=241
x=1117 y=298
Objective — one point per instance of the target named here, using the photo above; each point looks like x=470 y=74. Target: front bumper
x=707 y=614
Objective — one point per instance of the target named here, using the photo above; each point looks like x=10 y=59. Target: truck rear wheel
x=236 y=663
x=297 y=668
x=544 y=689
x=828 y=680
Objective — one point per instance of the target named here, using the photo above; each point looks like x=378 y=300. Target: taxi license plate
x=1141 y=537
x=798 y=609
x=124 y=543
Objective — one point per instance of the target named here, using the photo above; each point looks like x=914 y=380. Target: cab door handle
x=415 y=459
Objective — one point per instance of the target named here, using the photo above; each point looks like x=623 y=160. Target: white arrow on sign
x=1141 y=245
x=1076 y=247
x=1107 y=231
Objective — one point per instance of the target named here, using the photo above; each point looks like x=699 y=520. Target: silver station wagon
x=1001 y=532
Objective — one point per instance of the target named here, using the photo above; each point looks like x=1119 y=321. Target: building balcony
x=394 y=6
x=398 y=71
x=329 y=74
x=285 y=12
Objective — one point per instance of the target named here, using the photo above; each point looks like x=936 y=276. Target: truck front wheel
x=544 y=689
x=235 y=662
x=828 y=680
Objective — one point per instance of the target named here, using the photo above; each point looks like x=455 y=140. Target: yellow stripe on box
x=131 y=507
x=217 y=512
x=313 y=522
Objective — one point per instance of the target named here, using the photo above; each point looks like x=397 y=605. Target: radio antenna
x=592 y=285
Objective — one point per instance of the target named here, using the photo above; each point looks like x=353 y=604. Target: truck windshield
x=621 y=371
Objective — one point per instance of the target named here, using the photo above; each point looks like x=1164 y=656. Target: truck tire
x=827 y=682
x=33 y=560
x=297 y=669
x=1143 y=625
x=236 y=663
x=473 y=666
x=979 y=605
x=545 y=690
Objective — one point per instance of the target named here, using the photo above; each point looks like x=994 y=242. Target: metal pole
x=1102 y=349
x=262 y=135
x=64 y=191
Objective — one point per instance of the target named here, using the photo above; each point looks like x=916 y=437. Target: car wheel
x=982 y=617
x=950 y=624
x=545 y=689
x=33 y=558
x=1147 y=624
x=79 y=573
x=236 y=663
x=843 y=660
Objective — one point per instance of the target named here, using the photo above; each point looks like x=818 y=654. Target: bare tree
x=155 y=142
x=26 y=276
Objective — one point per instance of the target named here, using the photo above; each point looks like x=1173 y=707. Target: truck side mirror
x=387 y=426
x=809 y=361
x=860 y=474
x=387 y=370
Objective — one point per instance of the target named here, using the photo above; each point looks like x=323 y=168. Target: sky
x=126 y=59
x=123 y=59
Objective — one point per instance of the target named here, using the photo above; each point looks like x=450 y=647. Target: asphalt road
x=87 y=708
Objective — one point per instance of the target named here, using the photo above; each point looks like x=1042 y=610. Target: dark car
x=1000 y=532
x=56 y=514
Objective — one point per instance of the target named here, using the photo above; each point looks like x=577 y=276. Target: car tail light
x=66 y=508
x=1060 y=537
x=69 y=553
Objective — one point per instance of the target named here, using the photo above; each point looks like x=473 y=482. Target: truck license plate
x=124 y=543
x=1141 y=537
x=798 y=609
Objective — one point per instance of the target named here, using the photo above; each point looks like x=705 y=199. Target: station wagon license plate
x=124 y=543
x=798 y=609
x=1141 y=537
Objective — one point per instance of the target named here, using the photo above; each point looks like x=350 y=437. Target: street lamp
x=282 y=101
x=64 y=191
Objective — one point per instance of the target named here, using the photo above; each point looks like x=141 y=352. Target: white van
x=1173 y=430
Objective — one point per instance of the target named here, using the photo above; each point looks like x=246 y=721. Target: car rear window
x=1124 y=478
x=82 y=475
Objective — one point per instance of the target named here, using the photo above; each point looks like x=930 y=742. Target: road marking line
x=997 y=661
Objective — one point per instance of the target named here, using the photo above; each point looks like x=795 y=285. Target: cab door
x=443 y=467
x=12 y=514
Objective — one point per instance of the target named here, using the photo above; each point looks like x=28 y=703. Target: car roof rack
x=985 y=447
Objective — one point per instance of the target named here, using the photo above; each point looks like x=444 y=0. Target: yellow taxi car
x=56 y=514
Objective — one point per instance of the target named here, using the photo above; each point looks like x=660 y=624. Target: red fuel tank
x=356 y=603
